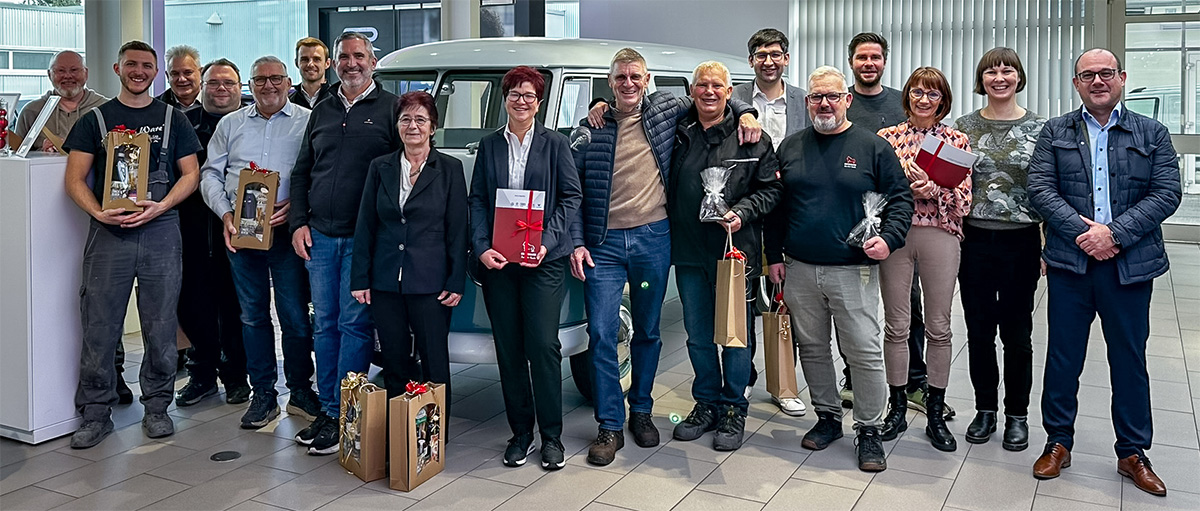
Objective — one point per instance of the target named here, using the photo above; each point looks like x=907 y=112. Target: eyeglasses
x=409 y=121
x=916 y=94
x=527 y=97
x=833 y=97
x=217 y=84
x=762 y=56
x=275 y=80
x=1104 y=74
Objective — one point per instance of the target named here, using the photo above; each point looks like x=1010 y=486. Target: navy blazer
x=428 y=239
x=550 y=168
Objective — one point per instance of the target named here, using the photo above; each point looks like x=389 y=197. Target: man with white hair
x=68 y=75
x=826 y=169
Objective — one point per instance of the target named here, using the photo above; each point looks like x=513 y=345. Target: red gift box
x=517 y=231
x=945 y=164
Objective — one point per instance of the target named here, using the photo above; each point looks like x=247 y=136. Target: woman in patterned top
x=1001 y=249
x=933 y=242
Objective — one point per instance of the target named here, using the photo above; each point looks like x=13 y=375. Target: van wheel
x=581 y=363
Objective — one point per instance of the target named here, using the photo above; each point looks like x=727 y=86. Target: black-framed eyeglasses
x=527 y=97
x=917 y=94
x=1104 y=74
x=774 y=55
x=217 y=84
x=262 y=80
x=833 y=97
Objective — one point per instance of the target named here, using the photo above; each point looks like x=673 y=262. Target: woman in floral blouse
x=933 y=243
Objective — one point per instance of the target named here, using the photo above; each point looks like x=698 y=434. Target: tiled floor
x=771 y=471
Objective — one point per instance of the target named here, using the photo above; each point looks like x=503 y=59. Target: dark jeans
x=523 y=305
x=208 y=304
x=1124 y=310
x=997 y=278
x=641 y=257
x=255 y=273
x=720 y=378
x=343 y=336
x=916 y=340
x=111 y=262
x=412 y=327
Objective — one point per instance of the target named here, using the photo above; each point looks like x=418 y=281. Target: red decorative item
x=517 y=231
x=779 y=296
x=735 y=254
x=415 y=388
x=3 y=125
x=120 y=128
x=254 y=167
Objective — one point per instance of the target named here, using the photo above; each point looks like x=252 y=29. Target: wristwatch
x=1113 y=237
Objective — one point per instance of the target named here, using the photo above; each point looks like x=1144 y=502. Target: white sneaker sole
x=517 y=463
x=794 y=412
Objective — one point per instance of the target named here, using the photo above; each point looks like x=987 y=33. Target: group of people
x=382 y=226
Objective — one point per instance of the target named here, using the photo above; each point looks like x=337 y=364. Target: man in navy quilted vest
x=1104 y=178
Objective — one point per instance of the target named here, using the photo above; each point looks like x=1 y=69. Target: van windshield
x=400 y=83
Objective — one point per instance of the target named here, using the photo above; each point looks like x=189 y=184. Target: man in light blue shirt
x=1098 y=138
x=267 y=133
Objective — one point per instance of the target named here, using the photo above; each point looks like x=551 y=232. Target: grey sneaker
x=702 y=419
x=263 y=409
x=91 y=433
x=730 y=429
x=158 y=425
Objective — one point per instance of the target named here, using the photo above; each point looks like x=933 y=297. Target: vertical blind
x=951 y=35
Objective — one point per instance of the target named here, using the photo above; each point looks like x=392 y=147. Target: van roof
x=508 y=52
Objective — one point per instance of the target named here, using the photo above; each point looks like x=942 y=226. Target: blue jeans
x=344 y=338
x=254 y=273
x=640 y=256
x=721 y=379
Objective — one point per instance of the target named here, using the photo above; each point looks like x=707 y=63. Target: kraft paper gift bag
x=418 y=445
x=730 y=327
x=363 y=428
x=779 y=351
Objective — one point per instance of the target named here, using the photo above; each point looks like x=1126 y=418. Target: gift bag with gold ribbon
x=418 y=445
x=729 y=329
x=778 y=349
x=363 y=428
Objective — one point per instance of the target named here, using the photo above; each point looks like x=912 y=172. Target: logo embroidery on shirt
x=850 y=163
x=368 y=121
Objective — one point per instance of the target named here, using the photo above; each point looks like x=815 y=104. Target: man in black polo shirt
x=122 y=246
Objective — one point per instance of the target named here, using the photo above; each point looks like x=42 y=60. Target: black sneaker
x=194 y=392
x=326 y=442
x=263 y=409
x=552 y=454
x=828 y=429
x=237 y=395
x=91 y=433
x=519 y=448
x=702 y=419
x=304 y=403
x=869 y=447
x=306 y=435
x=124 y=395
x=730 y=430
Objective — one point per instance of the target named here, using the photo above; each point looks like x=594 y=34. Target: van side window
x=471 y=106
x=400 y=83
x=674 y=84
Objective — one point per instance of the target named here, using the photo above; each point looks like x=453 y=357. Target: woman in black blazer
x=410 y=248
x=523 y=299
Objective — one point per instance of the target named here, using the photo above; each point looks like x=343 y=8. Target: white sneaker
x=792 y=406
x=749 y=392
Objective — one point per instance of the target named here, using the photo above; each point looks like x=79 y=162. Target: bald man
x=68 y=74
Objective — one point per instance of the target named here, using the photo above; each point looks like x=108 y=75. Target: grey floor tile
x=782 y=433
x=700 y=499
x=12 y=451
x=459 y=461
x=897 y=490
x=468 y=493
x=658 y=483
x=991 y=486
x=295 y=459
x=698 y=449
x=836 y=465
x=251 y=505
x=118 y=442
x=600 y=506
x=573 y=487
x=312 y=490
x=1071 y=485
x=1133 y=499
x=1048 y=503
x=44 y=466
x=364 y=498
x=484 y=371
x=212 y=432
x=132 y=493
x=199 y=467
x=32 y=498
x=926 y=460
x=1167 y=368
x=753 y=472
x=225 y=491
x=797 y=493
x=1172 y=396
x=109 y=471
x=1175 y=429
x=626 y=460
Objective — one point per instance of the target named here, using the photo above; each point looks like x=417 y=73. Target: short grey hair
x=183 y=50
x=826 y=72
x=266 y=59
x=337 y=43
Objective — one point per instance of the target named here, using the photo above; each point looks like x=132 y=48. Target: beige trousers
x=937 y=253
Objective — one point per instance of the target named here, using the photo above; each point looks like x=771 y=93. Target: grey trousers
x=819 y=297
x=111 y=262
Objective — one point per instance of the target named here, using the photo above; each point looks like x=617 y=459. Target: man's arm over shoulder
x=1163 y=193
x=1044 y=194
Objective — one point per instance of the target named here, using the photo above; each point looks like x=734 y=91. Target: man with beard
x=268 y=133
x=68 y=74
x=183 y=76
x=826 y=169
x=125 y=245
x=208 y=307
x=344 y=133
x=312 y=59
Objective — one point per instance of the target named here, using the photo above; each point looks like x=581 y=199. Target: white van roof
x=509 y=52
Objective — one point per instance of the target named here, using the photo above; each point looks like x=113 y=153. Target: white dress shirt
x=773 y=114
x=518 y=154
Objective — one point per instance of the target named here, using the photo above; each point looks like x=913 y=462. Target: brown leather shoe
x=1138 y=469
x=1055 y=458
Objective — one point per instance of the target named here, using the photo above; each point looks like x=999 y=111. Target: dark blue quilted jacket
x=1144 y=189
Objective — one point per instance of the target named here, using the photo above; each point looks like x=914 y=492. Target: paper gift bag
x=418 y=447
x=730 y=327
x=257 y=189
x=126 y=169
x=779 y=353
x=517 y=231
x=363 y=428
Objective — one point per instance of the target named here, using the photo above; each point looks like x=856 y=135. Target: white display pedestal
x=42 y=236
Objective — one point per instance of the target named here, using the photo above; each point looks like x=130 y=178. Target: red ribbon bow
x=415 y=388
x=526 y=226
x=255 y=168
x=735 y=254
x=120 y=128
x=779 y=296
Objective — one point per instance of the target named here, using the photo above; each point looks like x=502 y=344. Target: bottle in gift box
x=517 y=231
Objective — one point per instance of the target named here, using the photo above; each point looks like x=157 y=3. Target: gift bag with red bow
x=417 y=449
x=127 y=169
x=362 y=428
x=779 y=350
x=257 y=191
x=730 y=327
x=517 y=231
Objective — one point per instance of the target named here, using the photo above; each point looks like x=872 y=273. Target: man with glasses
x=826 y=169
x=267 y=133
x=68 y=77
x=1104 y=178
x=344 y=133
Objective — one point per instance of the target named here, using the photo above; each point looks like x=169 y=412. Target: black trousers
x=414 y=333
x=208 y=311
x=523 y=305
x=916 y=340
x=997 y=279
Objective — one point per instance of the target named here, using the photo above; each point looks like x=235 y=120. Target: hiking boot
x=304 y=403
x=827 y=429
x=519 y=448
x=194 y=392
x=307 y=435
x=91 y=433
x=869 y=447
x=604 y=450
x=730 y=430
x=263 y=409
x=552 y=454
x=158 y=425
x=643 y=430
x=237 y=395
x=896 y=421
x=702 y=419
x=326 y=441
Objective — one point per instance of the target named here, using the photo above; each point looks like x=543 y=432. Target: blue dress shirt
x=244 y=136
x=1098 y=138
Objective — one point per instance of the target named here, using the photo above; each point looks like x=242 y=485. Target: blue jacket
x=1144 y=188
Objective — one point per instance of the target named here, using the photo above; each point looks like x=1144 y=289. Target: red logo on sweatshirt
x=850 y=163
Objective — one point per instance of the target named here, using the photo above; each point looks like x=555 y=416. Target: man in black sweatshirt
x=344 y=134
x=826 y=169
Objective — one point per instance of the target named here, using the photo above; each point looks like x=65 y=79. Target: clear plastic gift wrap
x=868 y=227
x=712 y=206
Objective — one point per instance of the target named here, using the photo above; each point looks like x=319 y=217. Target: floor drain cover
x=224 y=456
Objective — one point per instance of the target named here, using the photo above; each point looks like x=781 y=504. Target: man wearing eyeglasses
x=208 y=308
x=826 y=169
x=1104 y=178
x=267 y=133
